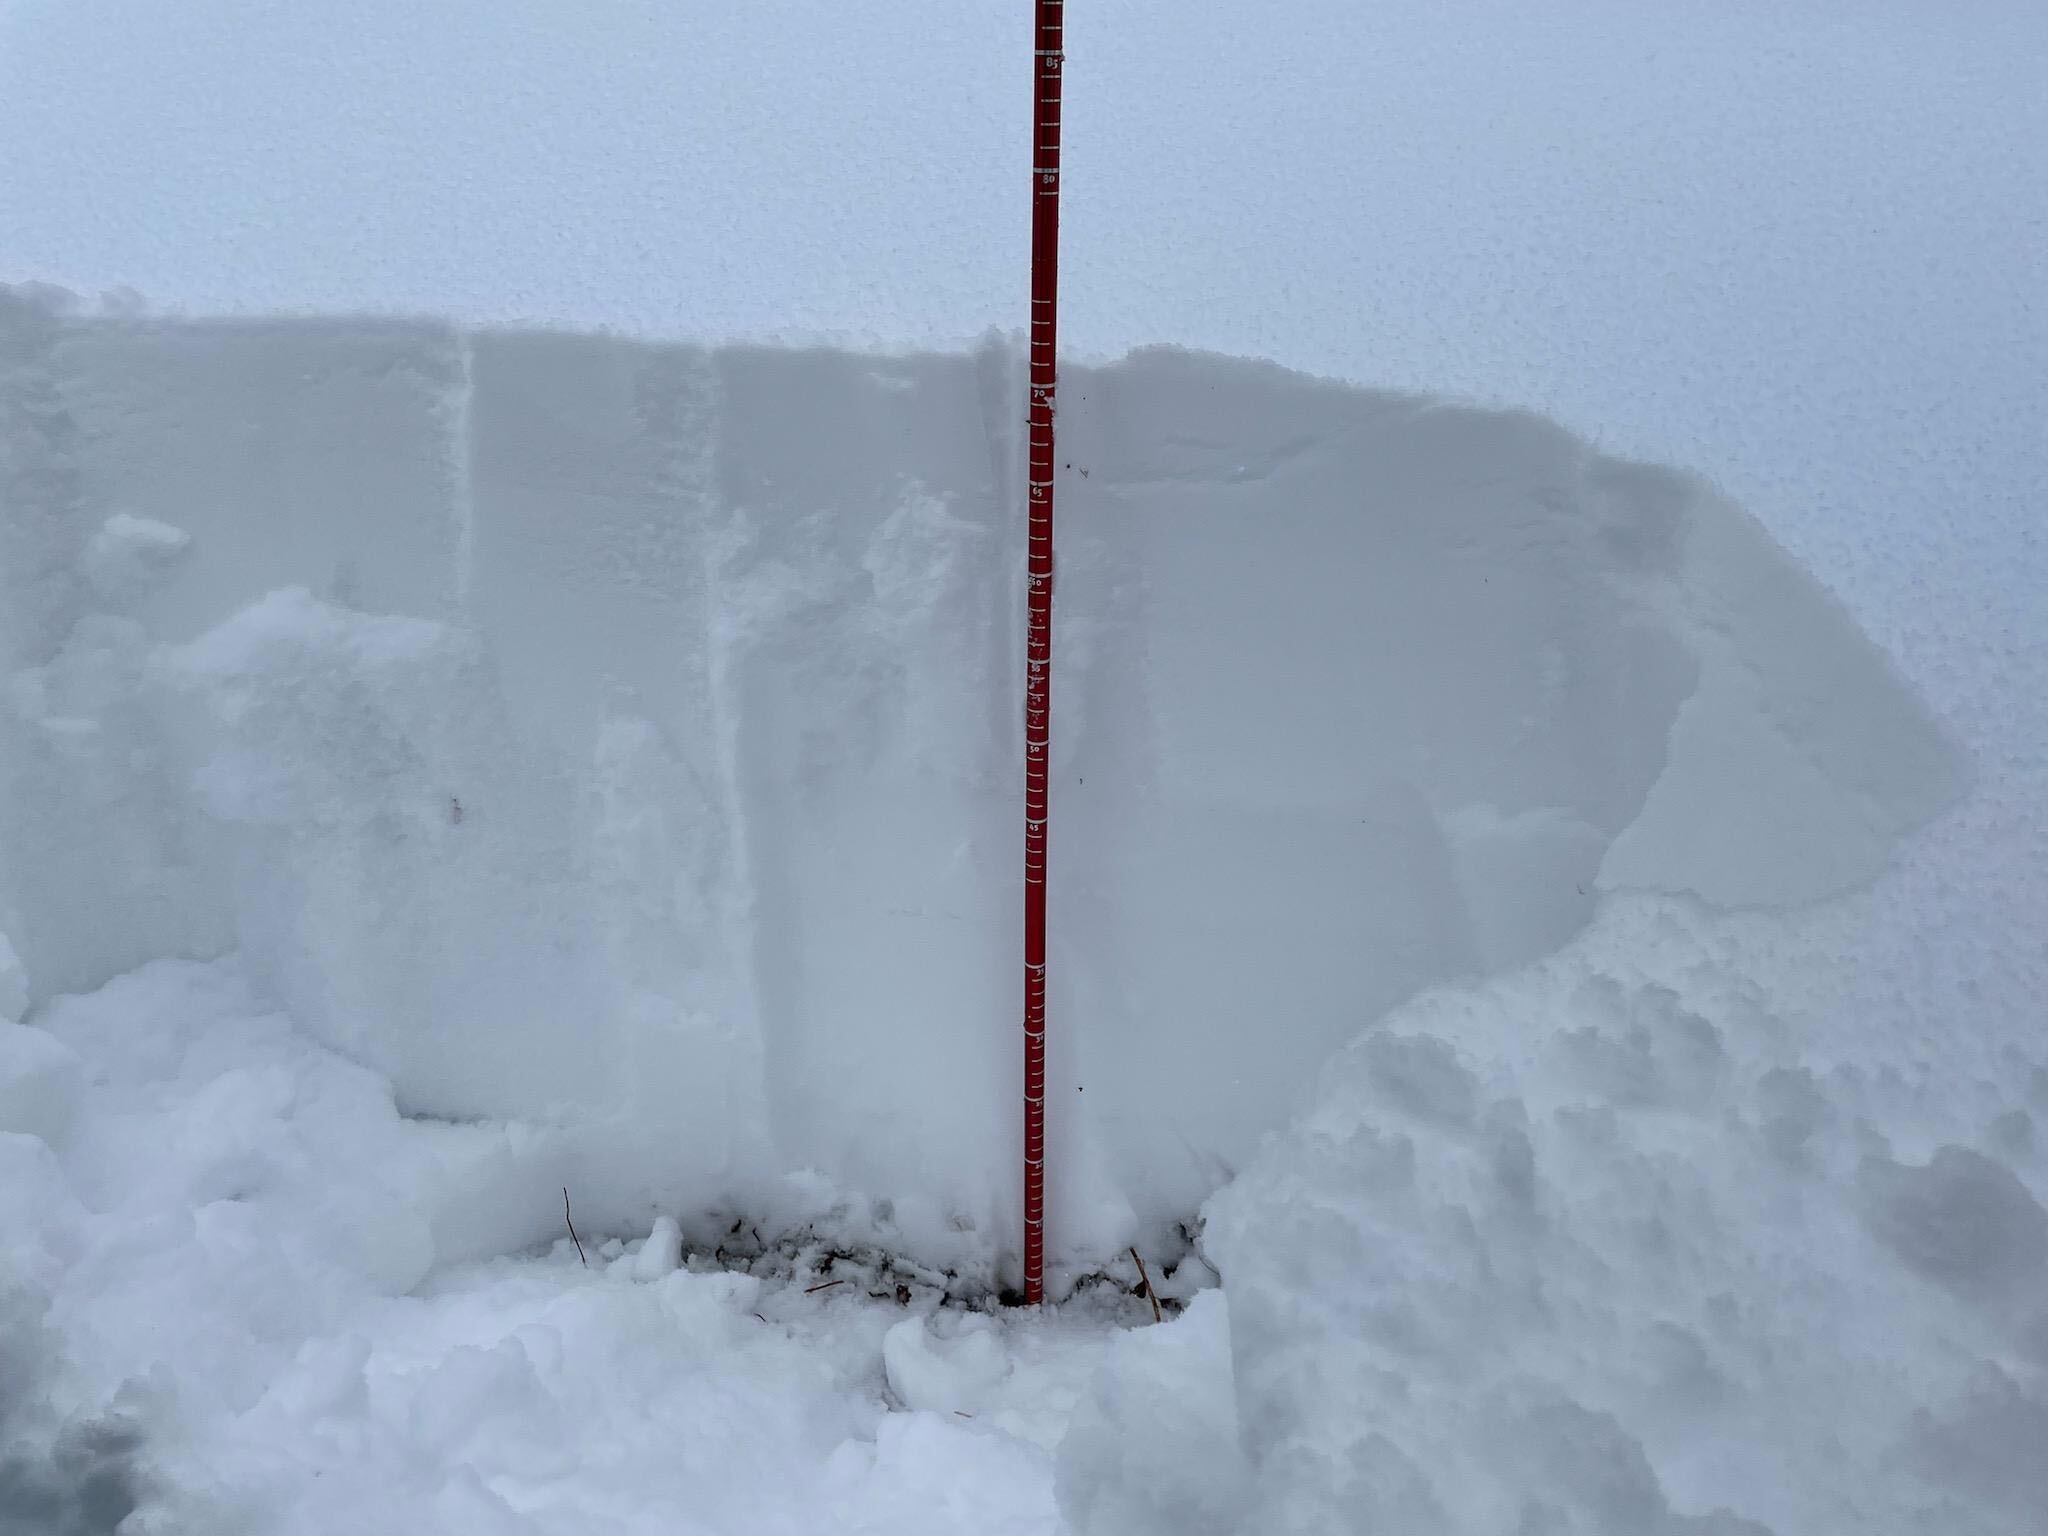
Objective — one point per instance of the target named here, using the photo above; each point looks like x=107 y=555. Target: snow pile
x=622 y=739
x=1642 y=1240
x=216 y=1312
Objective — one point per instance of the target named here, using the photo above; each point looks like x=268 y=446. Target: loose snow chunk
x=128 y=552
x=662 y=1253
x=945 y=1367
x=293 y=622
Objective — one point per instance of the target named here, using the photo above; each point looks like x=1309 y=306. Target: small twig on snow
x=572 y=1229
x=813 y=1290
x=1146 y=1280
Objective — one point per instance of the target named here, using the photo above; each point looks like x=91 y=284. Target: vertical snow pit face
x=861 y=602
x=1355 y=692
x=595 y=554
x=1790 y=696
x=13 y=983
x=40 y=534
x=312 y=454
x=110 y=862
x=62 y=825
x=165 y=475
x=398 y=882
x=709 y=852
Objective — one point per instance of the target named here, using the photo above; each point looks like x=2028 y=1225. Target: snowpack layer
x=623 y=738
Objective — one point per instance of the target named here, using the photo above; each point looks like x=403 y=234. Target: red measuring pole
x=1045 y=287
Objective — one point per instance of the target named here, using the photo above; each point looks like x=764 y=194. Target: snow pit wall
x=625 y=738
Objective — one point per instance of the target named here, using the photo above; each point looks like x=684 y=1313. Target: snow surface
x=1676 y=1220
